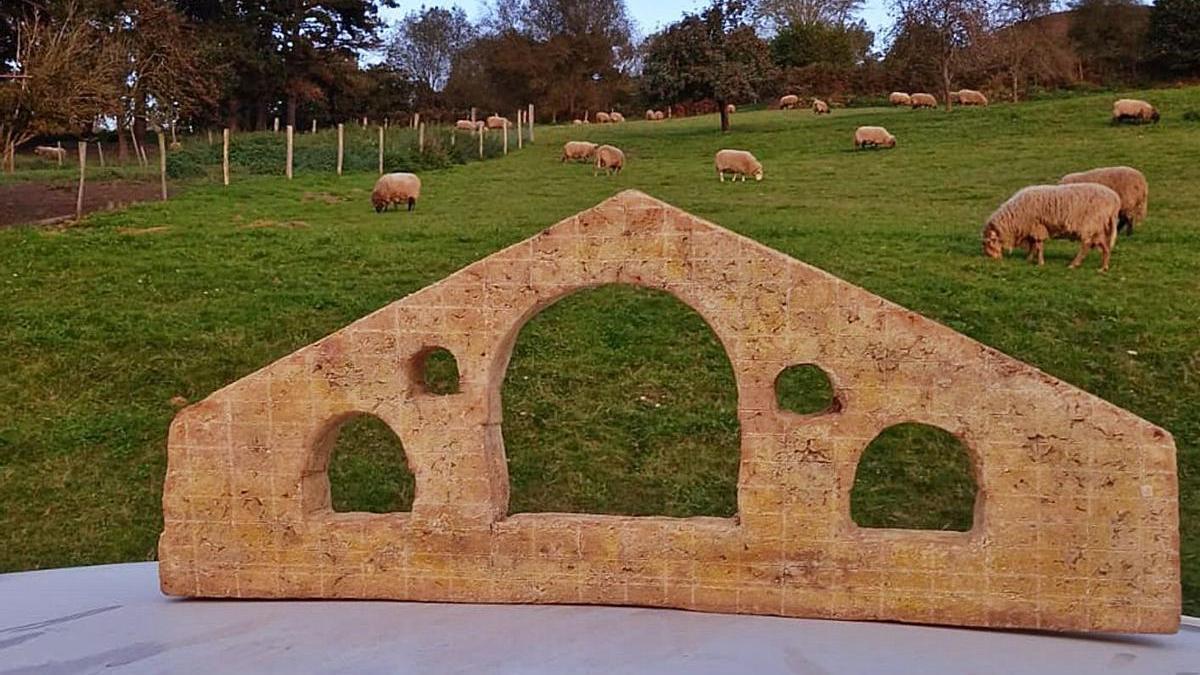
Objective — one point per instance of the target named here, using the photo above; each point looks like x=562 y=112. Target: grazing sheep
x=466 y=125
x=649 y=115
x=610 y=159
x=970 y=97
x=659 y=116
x=739 y=163
x=873 y=137
x=1129 y=184
x=50 y=152
x=730 y=109
x=603 y=118
x=1133 y=110
x=498 y=122
x=616 y=117
x=820 y=107
x=577 y=150
x=899 y=98
x=923 y=101
x=396 y=188
x=788 y=102
x=1085 y=212
x=578 y=122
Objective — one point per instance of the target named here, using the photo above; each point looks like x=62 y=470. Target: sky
x=649 y=14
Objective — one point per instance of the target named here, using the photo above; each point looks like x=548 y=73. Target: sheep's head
x=993 y=247
x=1154 y=116
x=758 y=173
x=890 y=142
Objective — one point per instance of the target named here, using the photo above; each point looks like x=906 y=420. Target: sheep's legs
x=722 y=175
x=1105 y=254
x=1084 y=248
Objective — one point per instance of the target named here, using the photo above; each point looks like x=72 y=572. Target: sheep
x=873 y=137
x=649 y=115
x=603 y=118
x=970 y=97
x=730 y=109
x=923 y=101
x=899 y=98
x=1133 y=110
x=1086 y=212
x=50 y=152
x=466 y=125
x=1129 y=184
x=498 y=122
x=577 y=150
x=396 y=188
x=610 y=159
x=577 y=122
x=616 y=117
x=659 y=116
x=788 y=102
x=820 y=107
x=739 y=163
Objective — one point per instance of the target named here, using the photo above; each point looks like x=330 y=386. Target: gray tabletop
x=112 y=618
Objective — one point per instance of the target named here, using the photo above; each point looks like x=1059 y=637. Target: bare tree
x=1022 y=41
x=779 y=14
x=426 y=41
x=956 y=28
x=66 y=76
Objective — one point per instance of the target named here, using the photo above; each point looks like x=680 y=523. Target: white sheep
x=578 y=150
x=922 y=100
x=899 y=98
x=820 y=107
x=396 y=188
x=1133 y=110
x=659 y=116
x=466 y=125
x=739 y=163
x=1129 y=184
x=873 y=137
x=730 y=109
x=1085 y=212
x=616 y=117
x=603 y=118
x=970 y=97
x=788 y=102
x=649 y=115
x=498 y=122
x=610 y=159
x=50 y=152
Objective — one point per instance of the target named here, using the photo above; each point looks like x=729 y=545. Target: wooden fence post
x=453 y=136
x=314 y=126
x=289 y=151
x=520 y=129
x=60 y=154
x=210 y=136
x=472 y=115
x=380 y=151
x=225 y=155
x=82 y=170
x=341 y=146
x=100 y=149
x=162 y=162
x=505 y=125
x=421 y=137
x=530 y=118
x=480 y=134
x=364 y=122
x=276 y=125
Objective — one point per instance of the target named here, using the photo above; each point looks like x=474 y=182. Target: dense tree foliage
x=1174 y=36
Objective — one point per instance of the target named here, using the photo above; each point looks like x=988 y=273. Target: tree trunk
x=724 y=115
x=139 y=118
x=946 y=84
x=260 y=115
x=122 y=146
x=1014 y=82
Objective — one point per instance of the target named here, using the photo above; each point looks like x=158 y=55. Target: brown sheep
x=1085 y=212
x=396 y=188
x=1129 y=184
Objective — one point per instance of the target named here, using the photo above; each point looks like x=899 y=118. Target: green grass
x=617 y=400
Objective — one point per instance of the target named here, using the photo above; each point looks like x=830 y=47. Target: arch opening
x=366 y=469
x=621 y=400
x=915 y=476
x=435 y=371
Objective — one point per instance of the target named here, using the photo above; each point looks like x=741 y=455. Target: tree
x=714 y=54
x=1108 y=36
x=426 y=41
x=1022 y=40
x=782 y=13
x=799 y=45
x=1174 y=36
x=952 y=30
x=68 y=73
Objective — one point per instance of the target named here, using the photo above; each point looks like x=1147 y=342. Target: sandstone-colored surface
x=1076 y=521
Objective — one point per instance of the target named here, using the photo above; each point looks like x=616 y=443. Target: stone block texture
x=1076 y=519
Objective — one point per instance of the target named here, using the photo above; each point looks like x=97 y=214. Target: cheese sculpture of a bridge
x=1076 y=523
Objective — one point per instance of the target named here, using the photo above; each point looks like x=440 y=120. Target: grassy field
x=617 y=400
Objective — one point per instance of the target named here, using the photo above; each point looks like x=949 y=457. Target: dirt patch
x=323 y=197
x=142 y=230
x=287 y=224
x=32 y=202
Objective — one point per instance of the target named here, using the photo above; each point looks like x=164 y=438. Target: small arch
x=917 y=477
x=805 y=389
x=360 y=466
x=434 y=371
x=620 y=400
